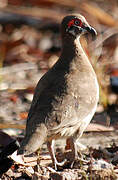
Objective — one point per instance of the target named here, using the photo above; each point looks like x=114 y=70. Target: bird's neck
x=71 y=48
x=73 y=56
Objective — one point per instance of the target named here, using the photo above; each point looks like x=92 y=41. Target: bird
x=66 y=97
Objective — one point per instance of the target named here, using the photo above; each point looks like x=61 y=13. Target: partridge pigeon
x=66 y=97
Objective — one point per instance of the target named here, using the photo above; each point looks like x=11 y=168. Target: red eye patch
x=76 y=22
x=71 y=23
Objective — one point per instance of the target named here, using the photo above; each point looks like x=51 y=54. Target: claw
x=50 y=146
x=56 y=163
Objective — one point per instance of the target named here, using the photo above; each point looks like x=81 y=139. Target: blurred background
x=30 y=44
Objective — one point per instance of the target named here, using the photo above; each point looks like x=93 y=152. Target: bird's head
x=75 y=25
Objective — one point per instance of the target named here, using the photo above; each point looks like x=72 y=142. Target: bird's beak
x=74 y=30
x=92 y=31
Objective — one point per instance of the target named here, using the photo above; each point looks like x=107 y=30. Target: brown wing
x=36 y=132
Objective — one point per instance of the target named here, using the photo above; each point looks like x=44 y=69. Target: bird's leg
x=50 y=146
x=71 y=145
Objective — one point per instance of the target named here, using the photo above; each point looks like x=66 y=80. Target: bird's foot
x=71 y=166
x=56 y=163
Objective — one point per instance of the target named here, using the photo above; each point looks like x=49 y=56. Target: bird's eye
x=77 y=22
